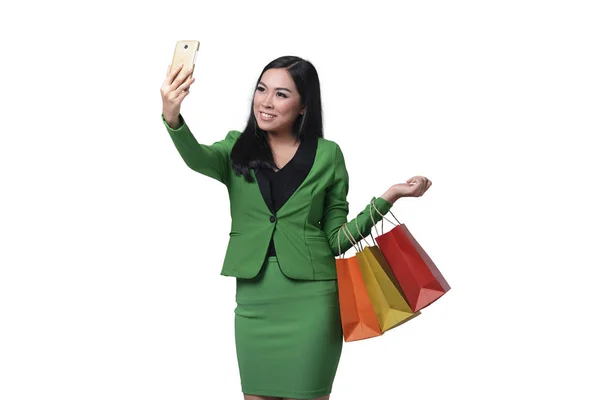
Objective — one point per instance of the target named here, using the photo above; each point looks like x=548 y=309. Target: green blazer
x=304 y=230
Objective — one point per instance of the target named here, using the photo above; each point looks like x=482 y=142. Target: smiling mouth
x=266 y=116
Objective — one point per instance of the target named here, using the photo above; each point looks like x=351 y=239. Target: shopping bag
x=419 y=278
x=387 y=298
x=359 y=320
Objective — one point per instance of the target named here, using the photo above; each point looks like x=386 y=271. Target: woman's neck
x=281 y=139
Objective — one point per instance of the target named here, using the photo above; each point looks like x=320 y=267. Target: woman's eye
x=262 y=89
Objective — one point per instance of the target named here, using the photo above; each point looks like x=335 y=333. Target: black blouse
x=277 y=187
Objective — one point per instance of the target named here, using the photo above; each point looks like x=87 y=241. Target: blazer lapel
x=298 y=169
x=265 y=188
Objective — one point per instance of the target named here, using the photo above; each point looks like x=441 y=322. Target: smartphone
x=185 y=52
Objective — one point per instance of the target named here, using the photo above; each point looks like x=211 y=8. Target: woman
x=287 y=189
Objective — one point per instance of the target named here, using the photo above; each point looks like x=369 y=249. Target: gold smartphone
x=185 y=53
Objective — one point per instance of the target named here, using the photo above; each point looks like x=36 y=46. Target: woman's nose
x=267 y=101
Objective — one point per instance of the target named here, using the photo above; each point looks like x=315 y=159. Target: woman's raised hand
x=414 y=187
x=174 y=89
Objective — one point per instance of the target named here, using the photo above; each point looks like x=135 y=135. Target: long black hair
x=252 y=149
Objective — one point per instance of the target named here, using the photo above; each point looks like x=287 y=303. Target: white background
x=111 y=247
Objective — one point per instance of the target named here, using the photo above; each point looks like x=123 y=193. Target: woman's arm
x=335 y=213
x=210 y=160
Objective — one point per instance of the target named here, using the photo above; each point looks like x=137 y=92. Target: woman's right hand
x=173 y=90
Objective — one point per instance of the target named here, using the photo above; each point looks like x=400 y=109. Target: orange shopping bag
x=359 y=320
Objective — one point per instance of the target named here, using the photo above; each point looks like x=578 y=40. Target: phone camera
x=185 y=47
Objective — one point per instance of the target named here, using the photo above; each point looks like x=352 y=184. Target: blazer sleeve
x=210 y=160
x=335 y=212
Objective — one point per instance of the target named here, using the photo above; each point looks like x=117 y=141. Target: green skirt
x=288 y=334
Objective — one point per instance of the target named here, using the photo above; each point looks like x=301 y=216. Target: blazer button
x=272 y=219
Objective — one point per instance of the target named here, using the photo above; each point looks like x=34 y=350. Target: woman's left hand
x=414 y=187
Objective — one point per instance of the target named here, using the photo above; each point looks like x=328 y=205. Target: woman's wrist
x=390 y=196
x=172 y=119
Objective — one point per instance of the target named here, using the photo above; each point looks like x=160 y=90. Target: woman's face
x=277 y=103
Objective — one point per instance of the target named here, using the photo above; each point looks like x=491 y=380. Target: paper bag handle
x=373 y=206
x=358 y=230
x=351 y=239
x=357 y=245
x=339 y=243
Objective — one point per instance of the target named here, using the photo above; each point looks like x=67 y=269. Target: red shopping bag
x=420 y=279
x=359 y=320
